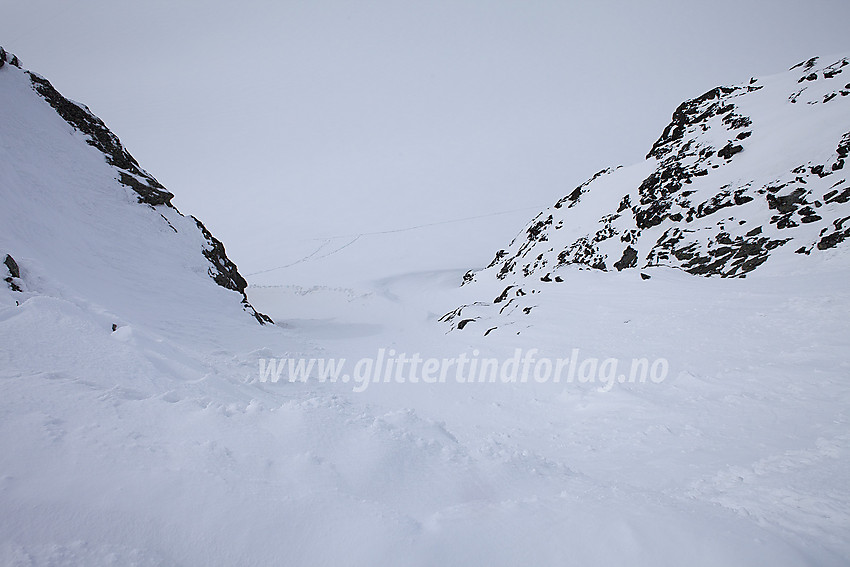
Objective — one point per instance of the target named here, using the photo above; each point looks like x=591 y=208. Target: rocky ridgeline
x=129 y=173
x=739 y=175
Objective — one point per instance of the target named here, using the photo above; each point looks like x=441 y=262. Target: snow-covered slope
x=156 y=443
x=742 y=177
x=82 y=219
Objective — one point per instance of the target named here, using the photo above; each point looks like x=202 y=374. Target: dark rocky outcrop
x=14 y=273
x=5 y=57
x=678 y=197
x=573 y=198
x=224 y=272
x=694 y=204
x=147 y=189
x=629 y=259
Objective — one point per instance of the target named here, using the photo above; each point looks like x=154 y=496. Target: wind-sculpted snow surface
x=136 y=426
x=742 y=176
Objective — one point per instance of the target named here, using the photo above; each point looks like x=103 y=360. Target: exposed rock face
x=150 y=191
x=12 y=59
x=739 y=175
x=224 y=272
x=14 y=273
x=694 y=193
x=129 y=173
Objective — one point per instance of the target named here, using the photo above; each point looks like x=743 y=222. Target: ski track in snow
x=134 y=429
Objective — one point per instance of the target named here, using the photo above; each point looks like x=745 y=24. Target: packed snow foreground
x=141 y=422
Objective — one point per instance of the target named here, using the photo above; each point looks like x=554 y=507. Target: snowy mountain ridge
x=136 y=429
x=57 y=175
x=741 y=176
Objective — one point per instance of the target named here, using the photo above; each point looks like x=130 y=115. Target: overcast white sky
x=279 y=121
